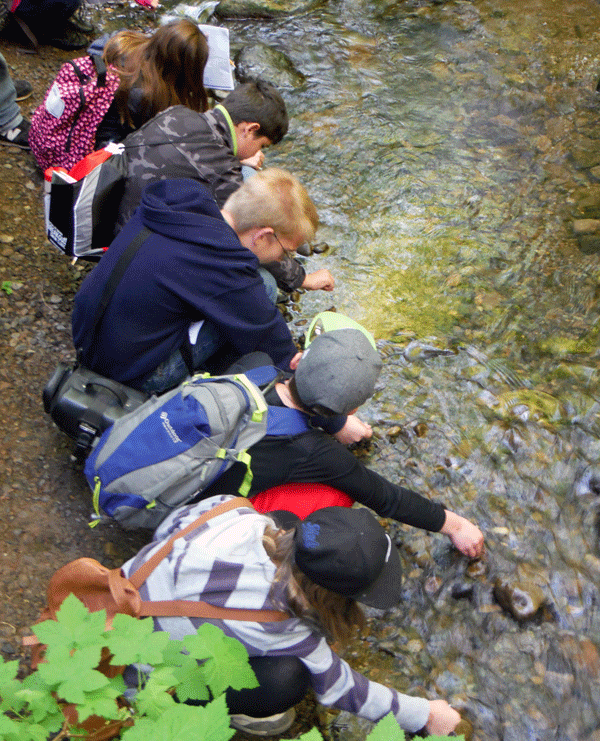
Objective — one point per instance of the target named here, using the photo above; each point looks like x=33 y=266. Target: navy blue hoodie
x=192 y=267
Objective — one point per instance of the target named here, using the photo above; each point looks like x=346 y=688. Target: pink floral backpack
x=63 y=127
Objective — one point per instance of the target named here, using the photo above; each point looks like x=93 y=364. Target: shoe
x=270 y=726
x=70 y=39
x=18 y=136
x=79 y=22
x=23 y=89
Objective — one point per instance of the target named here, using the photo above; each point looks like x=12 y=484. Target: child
x=317 y=570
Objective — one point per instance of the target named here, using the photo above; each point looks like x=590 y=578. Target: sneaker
x=69 y=39
x=270 y=726
x=17 y=136
x=23 y=89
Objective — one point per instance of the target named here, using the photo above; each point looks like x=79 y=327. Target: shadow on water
x=451 y=148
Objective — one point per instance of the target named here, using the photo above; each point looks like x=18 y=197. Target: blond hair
x=336 y=616
x=167 y=66
x=274 y=198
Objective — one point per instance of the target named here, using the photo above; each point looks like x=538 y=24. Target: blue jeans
x=10 y=113
x=173 y=371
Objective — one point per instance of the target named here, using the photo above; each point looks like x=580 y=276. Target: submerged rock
x=262 y=8
x=522 y=599
x=265 y=62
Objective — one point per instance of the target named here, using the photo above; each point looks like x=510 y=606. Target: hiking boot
x=69 y=39
x=270 y=726
x=23 y=89
x=79 y=22
x=18 y=136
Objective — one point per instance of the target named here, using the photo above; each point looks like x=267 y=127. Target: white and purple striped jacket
x=224 y=563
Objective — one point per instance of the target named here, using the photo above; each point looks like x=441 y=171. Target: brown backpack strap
x=186 y=608
x=140 y=576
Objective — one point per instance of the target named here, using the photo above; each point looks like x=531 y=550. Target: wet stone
x=261 y=8
x=261 y=61
x=522 y=599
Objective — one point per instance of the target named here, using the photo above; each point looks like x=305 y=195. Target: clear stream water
x=448 y=148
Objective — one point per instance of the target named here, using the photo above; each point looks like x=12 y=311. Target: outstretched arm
x=465 y=536
x=319 y=280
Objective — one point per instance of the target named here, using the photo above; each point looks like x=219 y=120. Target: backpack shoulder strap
x=111 y=285
x=188 y=608
x=140 y=576
x=280 y=420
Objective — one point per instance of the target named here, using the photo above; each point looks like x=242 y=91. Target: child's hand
x=353 y=431
x=256 y=161
x=465 y=536
x=319 y=280
x=443 y=719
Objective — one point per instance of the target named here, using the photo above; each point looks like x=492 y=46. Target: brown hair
x=168 y=67
x=274 y=198
x=336 y=616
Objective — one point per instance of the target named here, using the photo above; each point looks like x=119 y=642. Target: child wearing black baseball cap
x=317 y=571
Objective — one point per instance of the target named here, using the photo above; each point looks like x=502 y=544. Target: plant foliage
x=200 y=668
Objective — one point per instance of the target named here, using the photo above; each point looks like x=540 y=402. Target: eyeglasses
x=285 y=249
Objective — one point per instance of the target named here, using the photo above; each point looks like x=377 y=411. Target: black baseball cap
x=347 y=551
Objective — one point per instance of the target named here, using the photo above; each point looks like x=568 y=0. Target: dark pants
x=46 y=18
x=283 y=682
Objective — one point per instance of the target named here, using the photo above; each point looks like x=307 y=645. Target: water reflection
x=449 y=147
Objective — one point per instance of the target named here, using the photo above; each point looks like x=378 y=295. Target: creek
x=452 y=149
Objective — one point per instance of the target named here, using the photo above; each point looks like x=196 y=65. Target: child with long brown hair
x=316 y=571
x=156 y=72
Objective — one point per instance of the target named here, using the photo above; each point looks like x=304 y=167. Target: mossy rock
x=261 y=61
x=262 y=8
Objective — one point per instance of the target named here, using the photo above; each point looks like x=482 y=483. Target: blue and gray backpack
x=172 y=447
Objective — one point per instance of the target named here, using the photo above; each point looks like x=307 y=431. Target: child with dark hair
x=210 y=147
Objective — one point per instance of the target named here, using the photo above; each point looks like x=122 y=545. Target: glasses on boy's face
x=286 y=250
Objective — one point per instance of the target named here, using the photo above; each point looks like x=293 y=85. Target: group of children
x=210 y=249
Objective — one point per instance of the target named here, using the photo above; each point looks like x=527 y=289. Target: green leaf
x=210 y=723
x=102 y=702
x=72 y=674
x=40 y=703
x=387 y=729
x=9 y=686
x=153 y=699
x=190 y=680
x=73 y=628
x=14 y=730
x=172 y=653
x=226 y=660
x=135 y=641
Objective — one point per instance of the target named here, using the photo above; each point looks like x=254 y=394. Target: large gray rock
x=265 y=62
x=262 y=8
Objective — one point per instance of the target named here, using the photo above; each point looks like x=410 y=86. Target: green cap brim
x=329 y=320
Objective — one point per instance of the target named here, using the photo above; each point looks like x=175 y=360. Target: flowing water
x=449 y=148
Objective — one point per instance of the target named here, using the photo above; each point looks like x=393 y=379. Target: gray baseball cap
x=338 y=371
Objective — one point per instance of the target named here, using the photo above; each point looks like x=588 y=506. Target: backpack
x=77 y=203
x=63 y=127
x=100 y=588
x=171 y=448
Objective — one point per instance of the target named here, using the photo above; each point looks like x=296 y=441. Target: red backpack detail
x=63 y=128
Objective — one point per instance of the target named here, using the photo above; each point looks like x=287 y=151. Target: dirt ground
x=45 y=504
